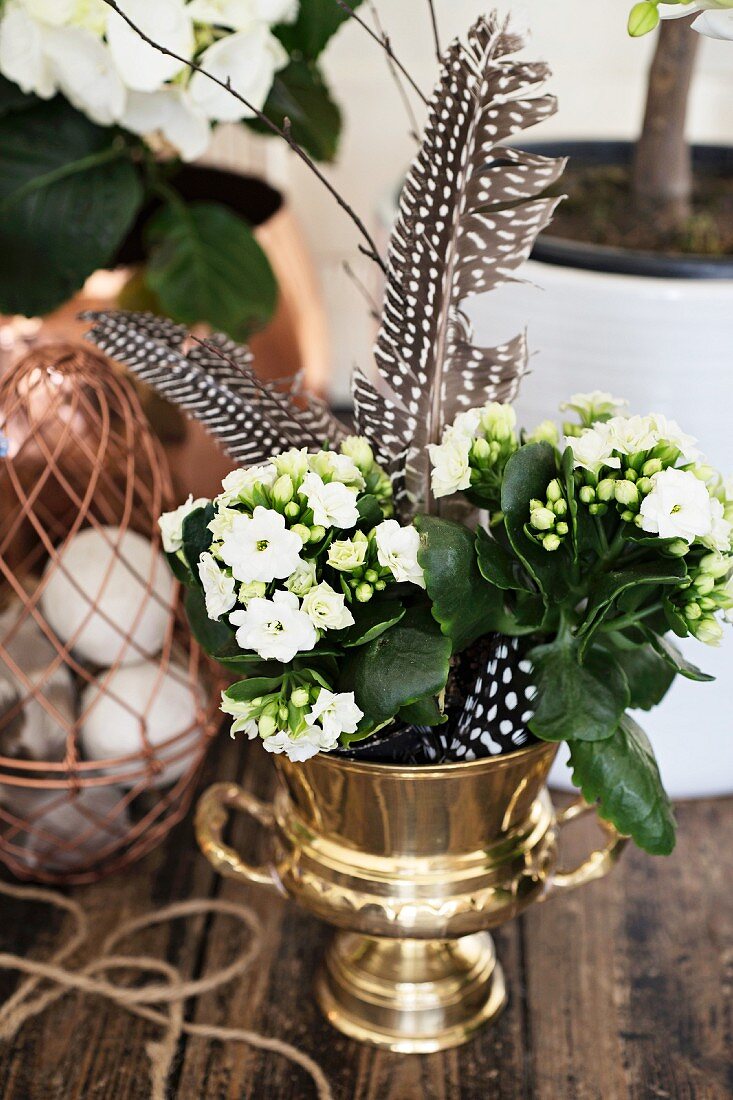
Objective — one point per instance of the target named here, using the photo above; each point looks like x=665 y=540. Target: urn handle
x=211 y=817
x=598 y=863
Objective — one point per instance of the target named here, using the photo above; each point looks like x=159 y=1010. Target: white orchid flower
x=248 y=60
x=167 y=22
x=171 y=113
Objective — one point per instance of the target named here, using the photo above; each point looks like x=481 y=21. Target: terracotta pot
x=296 y=339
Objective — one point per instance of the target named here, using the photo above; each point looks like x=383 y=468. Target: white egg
x=107 y=586
x=64 y=831
x=118 y=708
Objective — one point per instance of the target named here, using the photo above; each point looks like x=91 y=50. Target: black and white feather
x=468 y=216
x=213 y=381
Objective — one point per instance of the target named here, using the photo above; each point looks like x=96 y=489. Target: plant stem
x=386 y=45
x=370 y=249
x=631 y=618
x=661 y=182
x=434 y=25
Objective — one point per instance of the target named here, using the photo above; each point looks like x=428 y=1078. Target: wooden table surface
x=622 y=989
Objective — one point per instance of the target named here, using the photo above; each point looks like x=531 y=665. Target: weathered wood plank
x=620 y=990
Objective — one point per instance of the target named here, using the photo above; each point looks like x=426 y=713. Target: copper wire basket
x=80 y=454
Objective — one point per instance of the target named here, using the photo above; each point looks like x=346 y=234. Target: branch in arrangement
x=370 y=249
x=436 y=35
x=386 y=46
x=414 y=128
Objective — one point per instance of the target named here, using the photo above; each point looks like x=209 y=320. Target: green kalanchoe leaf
x=370 y=620
x=608 y=588
x=245 y=690
x=498 y=566
x=425 y=712
x=621 y=774
x=528 y=473
x=463 y=602
x=212 y=635
x=649 y=676
x=317 y=22
x=671 y=654
x=576 y=701
x=370 y=512
x=409 y=661
x=197 y=537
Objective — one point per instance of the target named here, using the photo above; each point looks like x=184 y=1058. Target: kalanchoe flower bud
x=560 y=507
x=292 y=510
x=359 y=451
x=371 y=576
x=300 y=697
x=677 y=548
x=542 y=519
x=643 y=18
x=282 y=713
x=561 y=529
x=303 y=531
x=692 y=611
x=363 y=592
x=283 y=491
x=317 y=533
x=266 y=725
x=645 y=485
x=293 y=462
x=546 y=432
x=587 y=494
x=716 y=564
x=704 y=584
x=554 y=491
x=606 y=490
x=598 y=509
x=551 y=542
x=626 y=493
x=381 y=585
x=651 y=467
x=481 y=453
x=708 y=630
x=251 y=590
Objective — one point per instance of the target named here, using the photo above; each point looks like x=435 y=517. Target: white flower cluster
x=476 y=440
x=330 y=715
x=279 y=559
x=606 y=442
x=86 y=51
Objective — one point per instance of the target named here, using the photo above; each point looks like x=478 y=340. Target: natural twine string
x=90 y=979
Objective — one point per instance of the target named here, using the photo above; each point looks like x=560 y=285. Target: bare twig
x=371 y=304
x=434 y=24
x=414 y=128
x=370 y=249
x=385 y=44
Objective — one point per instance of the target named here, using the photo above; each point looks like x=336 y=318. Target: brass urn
x=413 y=866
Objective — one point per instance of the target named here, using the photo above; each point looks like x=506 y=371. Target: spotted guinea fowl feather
x=213 y=381
x=468 y=216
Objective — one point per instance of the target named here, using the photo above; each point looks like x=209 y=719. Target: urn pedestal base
x=411 y=996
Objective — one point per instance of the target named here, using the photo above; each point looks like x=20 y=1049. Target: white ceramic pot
x=666 y=344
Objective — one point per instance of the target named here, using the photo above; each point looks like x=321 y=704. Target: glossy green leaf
x=498 y=566
x=464 y=603
x=528 y=473
x=212 y=635
x=245 y=690
x=370 y=513
x=197 y=537
x=649 y=676
x=409 y=661
x=205 y=265
x=370 y=620
x=671 y=654
x=300 y=95
x=317 y=22
x=621 y=774
x=609 y=586
x=69 y=193
x=576 y=701
x=424 y=712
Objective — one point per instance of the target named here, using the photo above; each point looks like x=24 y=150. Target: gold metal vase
x=413 y=866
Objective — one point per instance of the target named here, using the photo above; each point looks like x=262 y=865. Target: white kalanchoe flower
x=336 y=467
x=247 y=59
x=397 y=549
x=347 y=554
x=243 y=714
x=336 y=712
x=221 y=524
x=260 y=547
x=166 y=22
x=171 y=523
x=85 y=72
x=327 y=608
x=236 y=15
x=721 y=531
x=591 y=406
x=593 y=449
x=302 y=579
x=631 y=435
x=669 y=431
x=715 y=20
x=219 y=587
x=22 y=56
x=54 y=12
x=168 y=113
x=252 y=590
x=497 y=420
x=333 y=505
x=449 y=459
x=239 y=482
x=275 y=629
x=276 y=11
x=301 y=746
x=678 y=506
x=465 y=424
x=294 y=463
